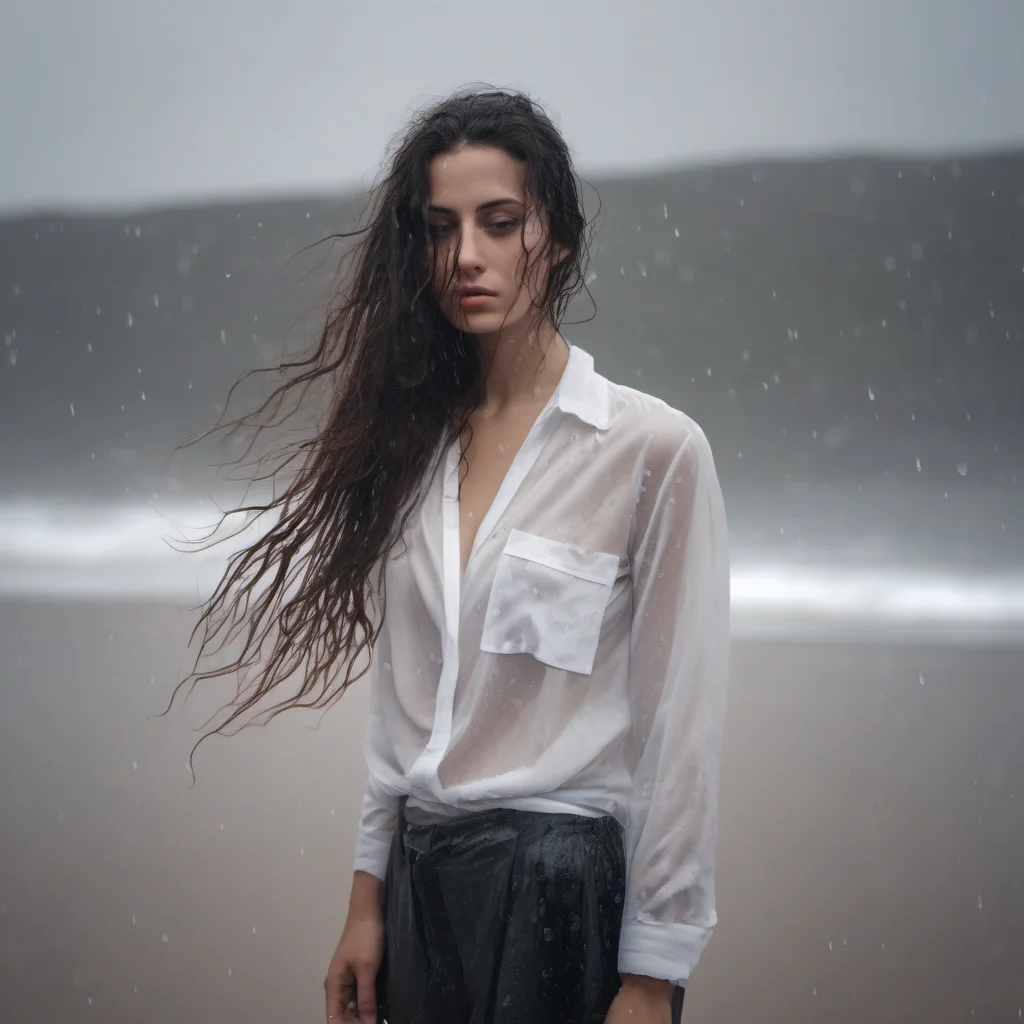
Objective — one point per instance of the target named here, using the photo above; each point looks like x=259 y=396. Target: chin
x=482 y=323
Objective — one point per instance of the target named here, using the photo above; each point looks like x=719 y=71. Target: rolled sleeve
x=376 y=828
x=679 y=656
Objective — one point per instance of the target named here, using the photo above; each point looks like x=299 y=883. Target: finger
x=366 y=997
x=339 y=990
x=341 y=1010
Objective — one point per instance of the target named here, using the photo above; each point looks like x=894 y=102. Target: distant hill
x=833 y=320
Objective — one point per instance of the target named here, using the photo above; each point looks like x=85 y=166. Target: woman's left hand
x=641 y=1000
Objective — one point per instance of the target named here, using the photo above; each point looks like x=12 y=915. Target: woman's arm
x=376 y=828
x=679 y=653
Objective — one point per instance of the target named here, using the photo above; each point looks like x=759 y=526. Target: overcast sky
x=120 y=103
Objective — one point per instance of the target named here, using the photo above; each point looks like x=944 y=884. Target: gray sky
x=116 y=103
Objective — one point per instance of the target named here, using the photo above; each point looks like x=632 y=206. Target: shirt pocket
x=548 y=599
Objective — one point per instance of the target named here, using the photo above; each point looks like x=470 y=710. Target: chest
x=485 y=464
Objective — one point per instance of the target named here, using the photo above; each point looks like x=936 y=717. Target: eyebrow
x=504 y=200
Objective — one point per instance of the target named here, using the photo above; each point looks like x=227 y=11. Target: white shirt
x=581 y=664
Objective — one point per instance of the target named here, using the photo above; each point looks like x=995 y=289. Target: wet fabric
x=503 y=917
x=579 y=663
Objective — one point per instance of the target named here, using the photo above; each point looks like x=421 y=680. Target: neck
x=522 y=368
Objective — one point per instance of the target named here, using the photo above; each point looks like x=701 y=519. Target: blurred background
x=811 y=239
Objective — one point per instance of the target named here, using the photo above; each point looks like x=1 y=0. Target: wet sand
x=869 y=867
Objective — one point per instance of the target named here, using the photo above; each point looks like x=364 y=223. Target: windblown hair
x=400 y=379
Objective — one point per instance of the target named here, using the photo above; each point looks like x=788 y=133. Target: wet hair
x=399 y=379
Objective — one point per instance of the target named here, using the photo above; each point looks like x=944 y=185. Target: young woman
x=548 y=684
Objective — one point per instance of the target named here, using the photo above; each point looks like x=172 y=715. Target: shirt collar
x=582 y=391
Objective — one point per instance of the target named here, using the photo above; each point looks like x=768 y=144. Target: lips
x=464 y=291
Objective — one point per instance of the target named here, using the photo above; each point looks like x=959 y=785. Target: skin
x=512 y=334
x=524 y=355
x=513 y=337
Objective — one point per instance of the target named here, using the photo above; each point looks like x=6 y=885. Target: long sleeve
x=376 y=829
x=679 y=657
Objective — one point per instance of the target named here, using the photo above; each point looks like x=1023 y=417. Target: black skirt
x=503 y=917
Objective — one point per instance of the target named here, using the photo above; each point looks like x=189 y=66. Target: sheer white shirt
x=581 y=665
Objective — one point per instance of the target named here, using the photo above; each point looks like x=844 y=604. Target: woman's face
x=477 y=198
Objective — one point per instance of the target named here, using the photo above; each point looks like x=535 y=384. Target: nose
x=470 y=257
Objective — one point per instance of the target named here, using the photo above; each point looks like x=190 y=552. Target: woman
x=548 y=684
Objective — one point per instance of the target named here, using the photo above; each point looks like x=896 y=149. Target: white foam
x=118 y=551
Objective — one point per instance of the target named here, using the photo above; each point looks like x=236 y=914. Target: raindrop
x=961 y=468
x=130 y=320
x=164 y=937
x=72 y=408
x=920 y=678
x=871 y=393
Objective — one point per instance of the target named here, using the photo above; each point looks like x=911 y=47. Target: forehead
x=473 y=175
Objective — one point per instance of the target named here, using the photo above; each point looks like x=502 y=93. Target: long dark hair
x=400 y=380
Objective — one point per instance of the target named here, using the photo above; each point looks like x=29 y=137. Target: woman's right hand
x=350 y=985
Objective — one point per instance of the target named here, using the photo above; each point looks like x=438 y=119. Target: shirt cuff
x=372 y=854
x=668 y=951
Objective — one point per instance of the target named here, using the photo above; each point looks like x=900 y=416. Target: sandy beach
x=872 y=817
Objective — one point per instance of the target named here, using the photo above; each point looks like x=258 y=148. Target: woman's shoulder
x=657 y=428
